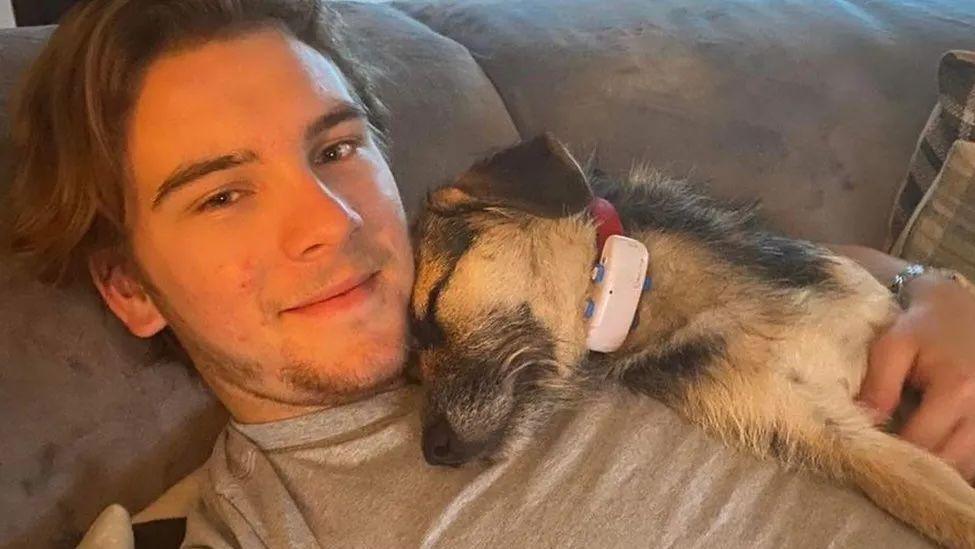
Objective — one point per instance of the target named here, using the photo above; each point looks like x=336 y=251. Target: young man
x=218 y=166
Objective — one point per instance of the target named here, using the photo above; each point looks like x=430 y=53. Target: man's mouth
x=339 y=298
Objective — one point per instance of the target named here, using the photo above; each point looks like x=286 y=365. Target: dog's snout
x=441 y=445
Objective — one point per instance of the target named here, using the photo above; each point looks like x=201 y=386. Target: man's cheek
x=228 y=291
x=246 y=276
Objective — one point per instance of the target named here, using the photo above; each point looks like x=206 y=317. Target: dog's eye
x=426 y=333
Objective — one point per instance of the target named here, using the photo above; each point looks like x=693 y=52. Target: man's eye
x=338 y=151
x=220 y=200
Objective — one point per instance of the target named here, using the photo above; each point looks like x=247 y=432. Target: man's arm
x=882 y=266
x=931 y=346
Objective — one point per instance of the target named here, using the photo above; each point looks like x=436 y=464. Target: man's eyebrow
x=188 y=173
x=193 y=171
x=340 y=113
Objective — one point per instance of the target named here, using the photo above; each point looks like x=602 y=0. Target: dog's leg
x=823 y=430
x=910 y=483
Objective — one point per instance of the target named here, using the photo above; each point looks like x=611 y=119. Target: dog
x=761 y=340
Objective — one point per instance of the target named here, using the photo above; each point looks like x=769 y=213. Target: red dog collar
x=607 y=220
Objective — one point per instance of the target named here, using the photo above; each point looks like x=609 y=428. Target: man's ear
x=124 y=293
x=539 y=177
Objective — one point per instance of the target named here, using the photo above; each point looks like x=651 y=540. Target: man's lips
x=343 y=295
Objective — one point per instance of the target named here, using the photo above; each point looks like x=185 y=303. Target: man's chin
x=360 y=375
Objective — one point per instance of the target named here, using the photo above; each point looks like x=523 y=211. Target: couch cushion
x=90 y=415
x=941 y=230
x=953 y=118
x=18 y=47
x=812 y=105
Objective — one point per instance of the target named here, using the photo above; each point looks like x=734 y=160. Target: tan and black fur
x=762 y=340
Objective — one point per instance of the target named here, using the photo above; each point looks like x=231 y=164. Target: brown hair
x=71 y=113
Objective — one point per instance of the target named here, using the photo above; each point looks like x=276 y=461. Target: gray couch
x=813 y=106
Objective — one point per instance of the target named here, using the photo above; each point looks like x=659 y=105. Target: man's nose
x=441 y=446
x=317 y=221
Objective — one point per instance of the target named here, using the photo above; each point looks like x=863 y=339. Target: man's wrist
x=885 y=268
x=882 y=266
x=930 y=281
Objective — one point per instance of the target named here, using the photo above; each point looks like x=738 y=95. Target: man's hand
x=930 y=347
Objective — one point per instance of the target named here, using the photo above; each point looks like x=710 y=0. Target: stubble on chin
x=371 y=373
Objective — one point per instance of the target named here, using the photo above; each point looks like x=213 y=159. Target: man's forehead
x=235 y=77
x=245 y=92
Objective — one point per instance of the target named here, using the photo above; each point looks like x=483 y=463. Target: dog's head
x=502 y=258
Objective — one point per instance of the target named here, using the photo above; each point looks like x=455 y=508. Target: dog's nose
x=441 y=446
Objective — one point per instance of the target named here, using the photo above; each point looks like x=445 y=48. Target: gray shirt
x=621 y=471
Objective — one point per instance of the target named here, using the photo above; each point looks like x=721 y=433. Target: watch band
x=909 y=273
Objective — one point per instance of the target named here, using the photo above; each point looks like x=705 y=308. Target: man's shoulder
x=212 y=516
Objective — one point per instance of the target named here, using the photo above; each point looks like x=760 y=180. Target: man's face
x=265 y=221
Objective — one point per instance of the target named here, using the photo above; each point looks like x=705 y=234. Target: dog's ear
x=539 y=177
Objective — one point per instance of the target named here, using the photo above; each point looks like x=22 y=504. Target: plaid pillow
x=953 y=119
x=941 y=231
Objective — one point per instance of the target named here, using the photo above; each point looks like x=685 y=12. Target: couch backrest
x=813 y=106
